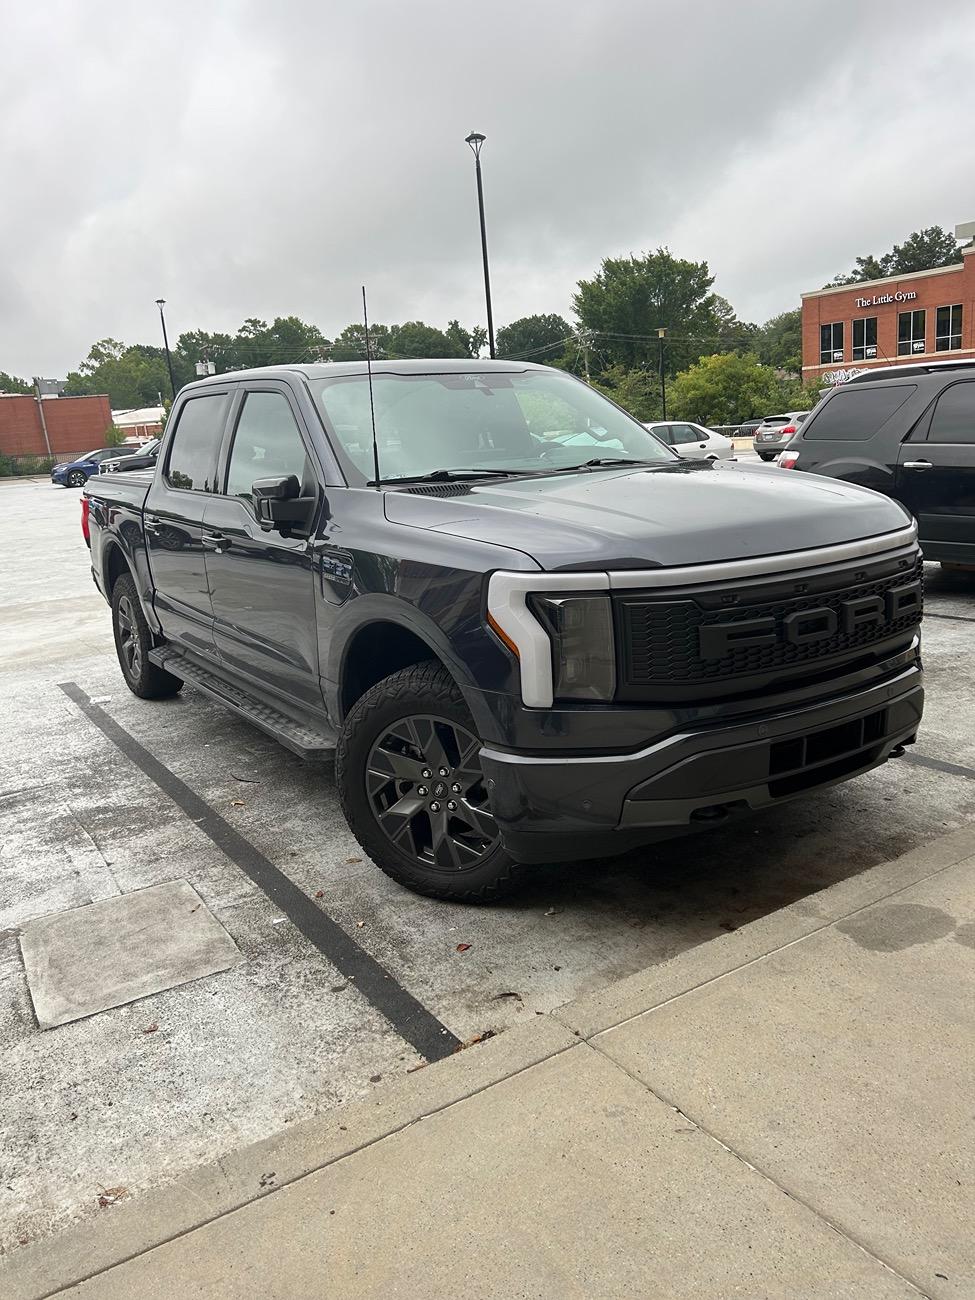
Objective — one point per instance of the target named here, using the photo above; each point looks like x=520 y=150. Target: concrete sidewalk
x=786 y=1111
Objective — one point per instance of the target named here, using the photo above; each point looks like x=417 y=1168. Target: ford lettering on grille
x=716 y=640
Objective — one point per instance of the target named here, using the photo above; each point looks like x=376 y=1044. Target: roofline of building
x=887 y=279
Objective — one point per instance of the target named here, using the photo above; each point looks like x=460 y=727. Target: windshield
x=538 y=421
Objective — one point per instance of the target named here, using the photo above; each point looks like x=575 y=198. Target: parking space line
x=955 y=618
x=939 y=765
x=409 y=1017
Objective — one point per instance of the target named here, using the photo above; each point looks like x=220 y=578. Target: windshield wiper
x=448 y=476
x=602 y=462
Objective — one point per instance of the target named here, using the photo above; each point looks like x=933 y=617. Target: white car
x=693 y=441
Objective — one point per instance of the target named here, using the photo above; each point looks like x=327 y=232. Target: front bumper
x=552 y=809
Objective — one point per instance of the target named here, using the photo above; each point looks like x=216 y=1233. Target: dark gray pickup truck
x=539 y=636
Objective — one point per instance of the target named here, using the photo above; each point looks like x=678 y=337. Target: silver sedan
x=693 y=441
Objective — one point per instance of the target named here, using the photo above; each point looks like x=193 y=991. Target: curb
x=260 y=1169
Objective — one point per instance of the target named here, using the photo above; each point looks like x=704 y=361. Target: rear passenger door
x=688 y=441
x=174 y=510
x=262 y=584
x=936 y=474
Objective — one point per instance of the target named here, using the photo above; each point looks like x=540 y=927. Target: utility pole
x=661 y=335
x=475 y=140
x=40 y=412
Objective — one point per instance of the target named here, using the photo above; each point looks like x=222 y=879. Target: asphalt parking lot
x=102 y=794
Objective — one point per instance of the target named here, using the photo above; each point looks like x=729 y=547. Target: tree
x=637 y=391
x=417 y=339
x=535 y=338
x=921 y=251
x=350 y=345
x=465 y=343
x=630 y=298
x=778 y=343
x=287 y=340
x=723 y=389
x=131 y=376
x=10 y=384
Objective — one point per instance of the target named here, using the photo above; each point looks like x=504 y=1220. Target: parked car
x=76 y=473
x=907 y=431
x=535 y=634
x=747 y=428
x=693 y=441
x=142 y=458
x=776 y=432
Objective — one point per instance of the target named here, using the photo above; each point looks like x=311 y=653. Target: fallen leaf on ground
x=338 y=988
x=375 y=1078
x=150 y=1029
x=236 y=803
x=412 y=1069
x=360 y=924
x=498 y=996
x=353 y=860
x=110 y=1196
x=319 y=893
x=463 y=947
x=478 y=1038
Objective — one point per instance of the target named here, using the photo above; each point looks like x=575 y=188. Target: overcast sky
x=257 y=159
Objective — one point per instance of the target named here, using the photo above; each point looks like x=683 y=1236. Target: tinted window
x=267 y=444
x=865 y=338
x=831 y=342
x=193 y=452
x=910 y=332
x=948 y=328
x=855 y=414
x=683 y=433
x=954 y=416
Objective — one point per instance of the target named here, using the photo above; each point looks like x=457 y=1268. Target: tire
x=765 y=456
x=416 y=722
x=75 y=479
x=132 y=643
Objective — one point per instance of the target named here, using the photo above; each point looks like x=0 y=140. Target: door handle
x=917 y=464
x=215 y=542
x=150 y=523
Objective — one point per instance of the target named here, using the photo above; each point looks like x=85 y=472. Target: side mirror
x=279 y=504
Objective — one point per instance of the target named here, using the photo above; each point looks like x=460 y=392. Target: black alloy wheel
x=412 y=788
x=76 y=479
x=133 y=640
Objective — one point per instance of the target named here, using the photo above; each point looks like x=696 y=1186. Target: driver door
x=262 y=584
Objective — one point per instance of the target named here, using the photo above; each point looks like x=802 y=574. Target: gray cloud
x=247 y=159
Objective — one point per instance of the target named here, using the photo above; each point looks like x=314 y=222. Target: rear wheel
x=765 y=455
x=412 y=790
x=132 y=644
x=76 y=479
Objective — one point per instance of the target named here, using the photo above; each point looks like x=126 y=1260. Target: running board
x=306 y=742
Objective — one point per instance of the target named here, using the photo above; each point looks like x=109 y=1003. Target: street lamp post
x=661 y=335
x=161 y=303
x=475 y=140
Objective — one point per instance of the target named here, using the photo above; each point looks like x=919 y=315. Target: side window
x=683 y=433
x=192 y=461
x=954 y=416
x=855 y=414
x=267 y=444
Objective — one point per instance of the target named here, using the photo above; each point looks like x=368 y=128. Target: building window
x=910 y=332
x=865 y=338
x=948 y=329
x=831 y=343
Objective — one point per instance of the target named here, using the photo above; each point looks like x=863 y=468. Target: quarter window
x=948 y=328
x=854 y=414
x=831 y=342
x=865 y=338
x=267 y=444
x=954 y=416
x=910 y=333
x=192 y=462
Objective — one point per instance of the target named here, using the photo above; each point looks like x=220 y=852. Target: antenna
x=372 y=408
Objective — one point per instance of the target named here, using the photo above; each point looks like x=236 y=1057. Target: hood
x=695 y=514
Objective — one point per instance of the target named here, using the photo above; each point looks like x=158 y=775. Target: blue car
x=76 y=473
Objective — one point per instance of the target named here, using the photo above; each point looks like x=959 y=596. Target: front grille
x=663 y=651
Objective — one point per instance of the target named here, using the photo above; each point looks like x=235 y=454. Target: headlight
x=583 y=650
x=560 y=627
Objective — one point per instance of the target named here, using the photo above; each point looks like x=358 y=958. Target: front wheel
x=409 y=778
x=75 y=479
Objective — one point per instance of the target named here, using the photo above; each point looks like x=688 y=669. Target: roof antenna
x=372 y=408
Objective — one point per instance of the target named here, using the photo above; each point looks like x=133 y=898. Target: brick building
x=927 y=316
x=74 y=425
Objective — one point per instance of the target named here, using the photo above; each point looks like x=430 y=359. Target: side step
x=306 y=742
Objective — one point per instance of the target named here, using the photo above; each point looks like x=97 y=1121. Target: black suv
x=525 y=628
x=909 y=432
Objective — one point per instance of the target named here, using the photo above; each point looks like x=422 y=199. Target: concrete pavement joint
x=774 y=1182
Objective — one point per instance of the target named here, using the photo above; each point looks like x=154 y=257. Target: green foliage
x=131 y=376
x=534 y=338
x=25 y=466
x=921 y=251
x=11 y=384
x=778 y=343
x=637 y=391
x=724 y=389
x=114 y=436
x=416 y=339
x=629 y=298
x=465 y=343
